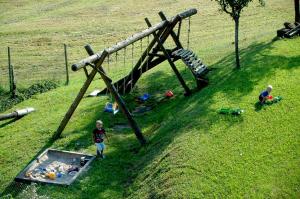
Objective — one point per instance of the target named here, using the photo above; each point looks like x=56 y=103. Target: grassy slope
x=197 y=154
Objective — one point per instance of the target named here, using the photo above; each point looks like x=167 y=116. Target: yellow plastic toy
x=51 y=175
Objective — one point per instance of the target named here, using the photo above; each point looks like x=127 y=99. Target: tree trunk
x=237 y=54
x=297 y=11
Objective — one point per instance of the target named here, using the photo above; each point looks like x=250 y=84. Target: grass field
x=193 y=152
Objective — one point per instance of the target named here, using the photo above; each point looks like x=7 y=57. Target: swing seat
x=111 y=108
x=94 y=93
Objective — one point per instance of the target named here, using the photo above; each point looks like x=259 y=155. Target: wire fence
x=31 y=66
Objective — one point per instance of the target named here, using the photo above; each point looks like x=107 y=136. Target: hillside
x=193 y=152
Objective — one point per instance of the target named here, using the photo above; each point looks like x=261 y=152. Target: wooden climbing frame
x=153 y=55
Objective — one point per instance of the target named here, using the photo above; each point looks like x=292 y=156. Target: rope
x=141 y=54
x=124 y=65
x=116 y=67
x=132 y=62
x=189 y=32
x=108 y=71
x=108 y=63
x=148 y=42
x=179 y=28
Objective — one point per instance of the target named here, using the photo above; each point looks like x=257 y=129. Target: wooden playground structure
x=154 y=54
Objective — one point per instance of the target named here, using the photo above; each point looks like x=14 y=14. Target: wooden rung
x=182 y=53
x=200 y=66
x=196 y=63
x=190 y=60
x=191 y=57
x=175 y=53
x=188 y=56
x=200 y=70
x=187 y=53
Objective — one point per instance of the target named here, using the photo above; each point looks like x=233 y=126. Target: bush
x=6 y=102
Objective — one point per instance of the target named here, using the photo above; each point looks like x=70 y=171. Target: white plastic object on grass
x=24 y=111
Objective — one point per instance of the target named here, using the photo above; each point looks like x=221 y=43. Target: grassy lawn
x=193 y=152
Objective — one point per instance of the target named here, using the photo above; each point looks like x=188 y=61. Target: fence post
x=13 y=83
x=66 y=62
x=9 y=69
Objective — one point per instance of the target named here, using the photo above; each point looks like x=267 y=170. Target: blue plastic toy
x=111 y=108
x=59 y=175
x=144 y=97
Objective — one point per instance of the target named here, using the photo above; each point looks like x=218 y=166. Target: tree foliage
x=235 y=7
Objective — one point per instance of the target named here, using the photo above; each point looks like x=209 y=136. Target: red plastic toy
x=169 y=94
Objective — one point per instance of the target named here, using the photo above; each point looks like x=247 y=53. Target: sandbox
x=55 y=167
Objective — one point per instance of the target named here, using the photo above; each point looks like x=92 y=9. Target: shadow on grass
x=9 y=122
x=258 y=106
x=164 y=123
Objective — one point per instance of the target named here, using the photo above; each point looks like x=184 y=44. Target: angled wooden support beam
x=179 y=77
x=173 y=34
x=77 y=100
x=117 y=97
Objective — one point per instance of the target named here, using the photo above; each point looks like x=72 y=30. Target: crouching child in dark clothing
x=265 y=94
x=98 y=137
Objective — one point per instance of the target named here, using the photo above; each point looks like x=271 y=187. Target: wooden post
x=13 y=83
x=9 y=69
x=297 y=11
x=66 y=63
x=117 y=97
x=77 y=100
x=181 y=80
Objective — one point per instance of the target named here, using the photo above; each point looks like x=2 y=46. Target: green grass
x=193 y=152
